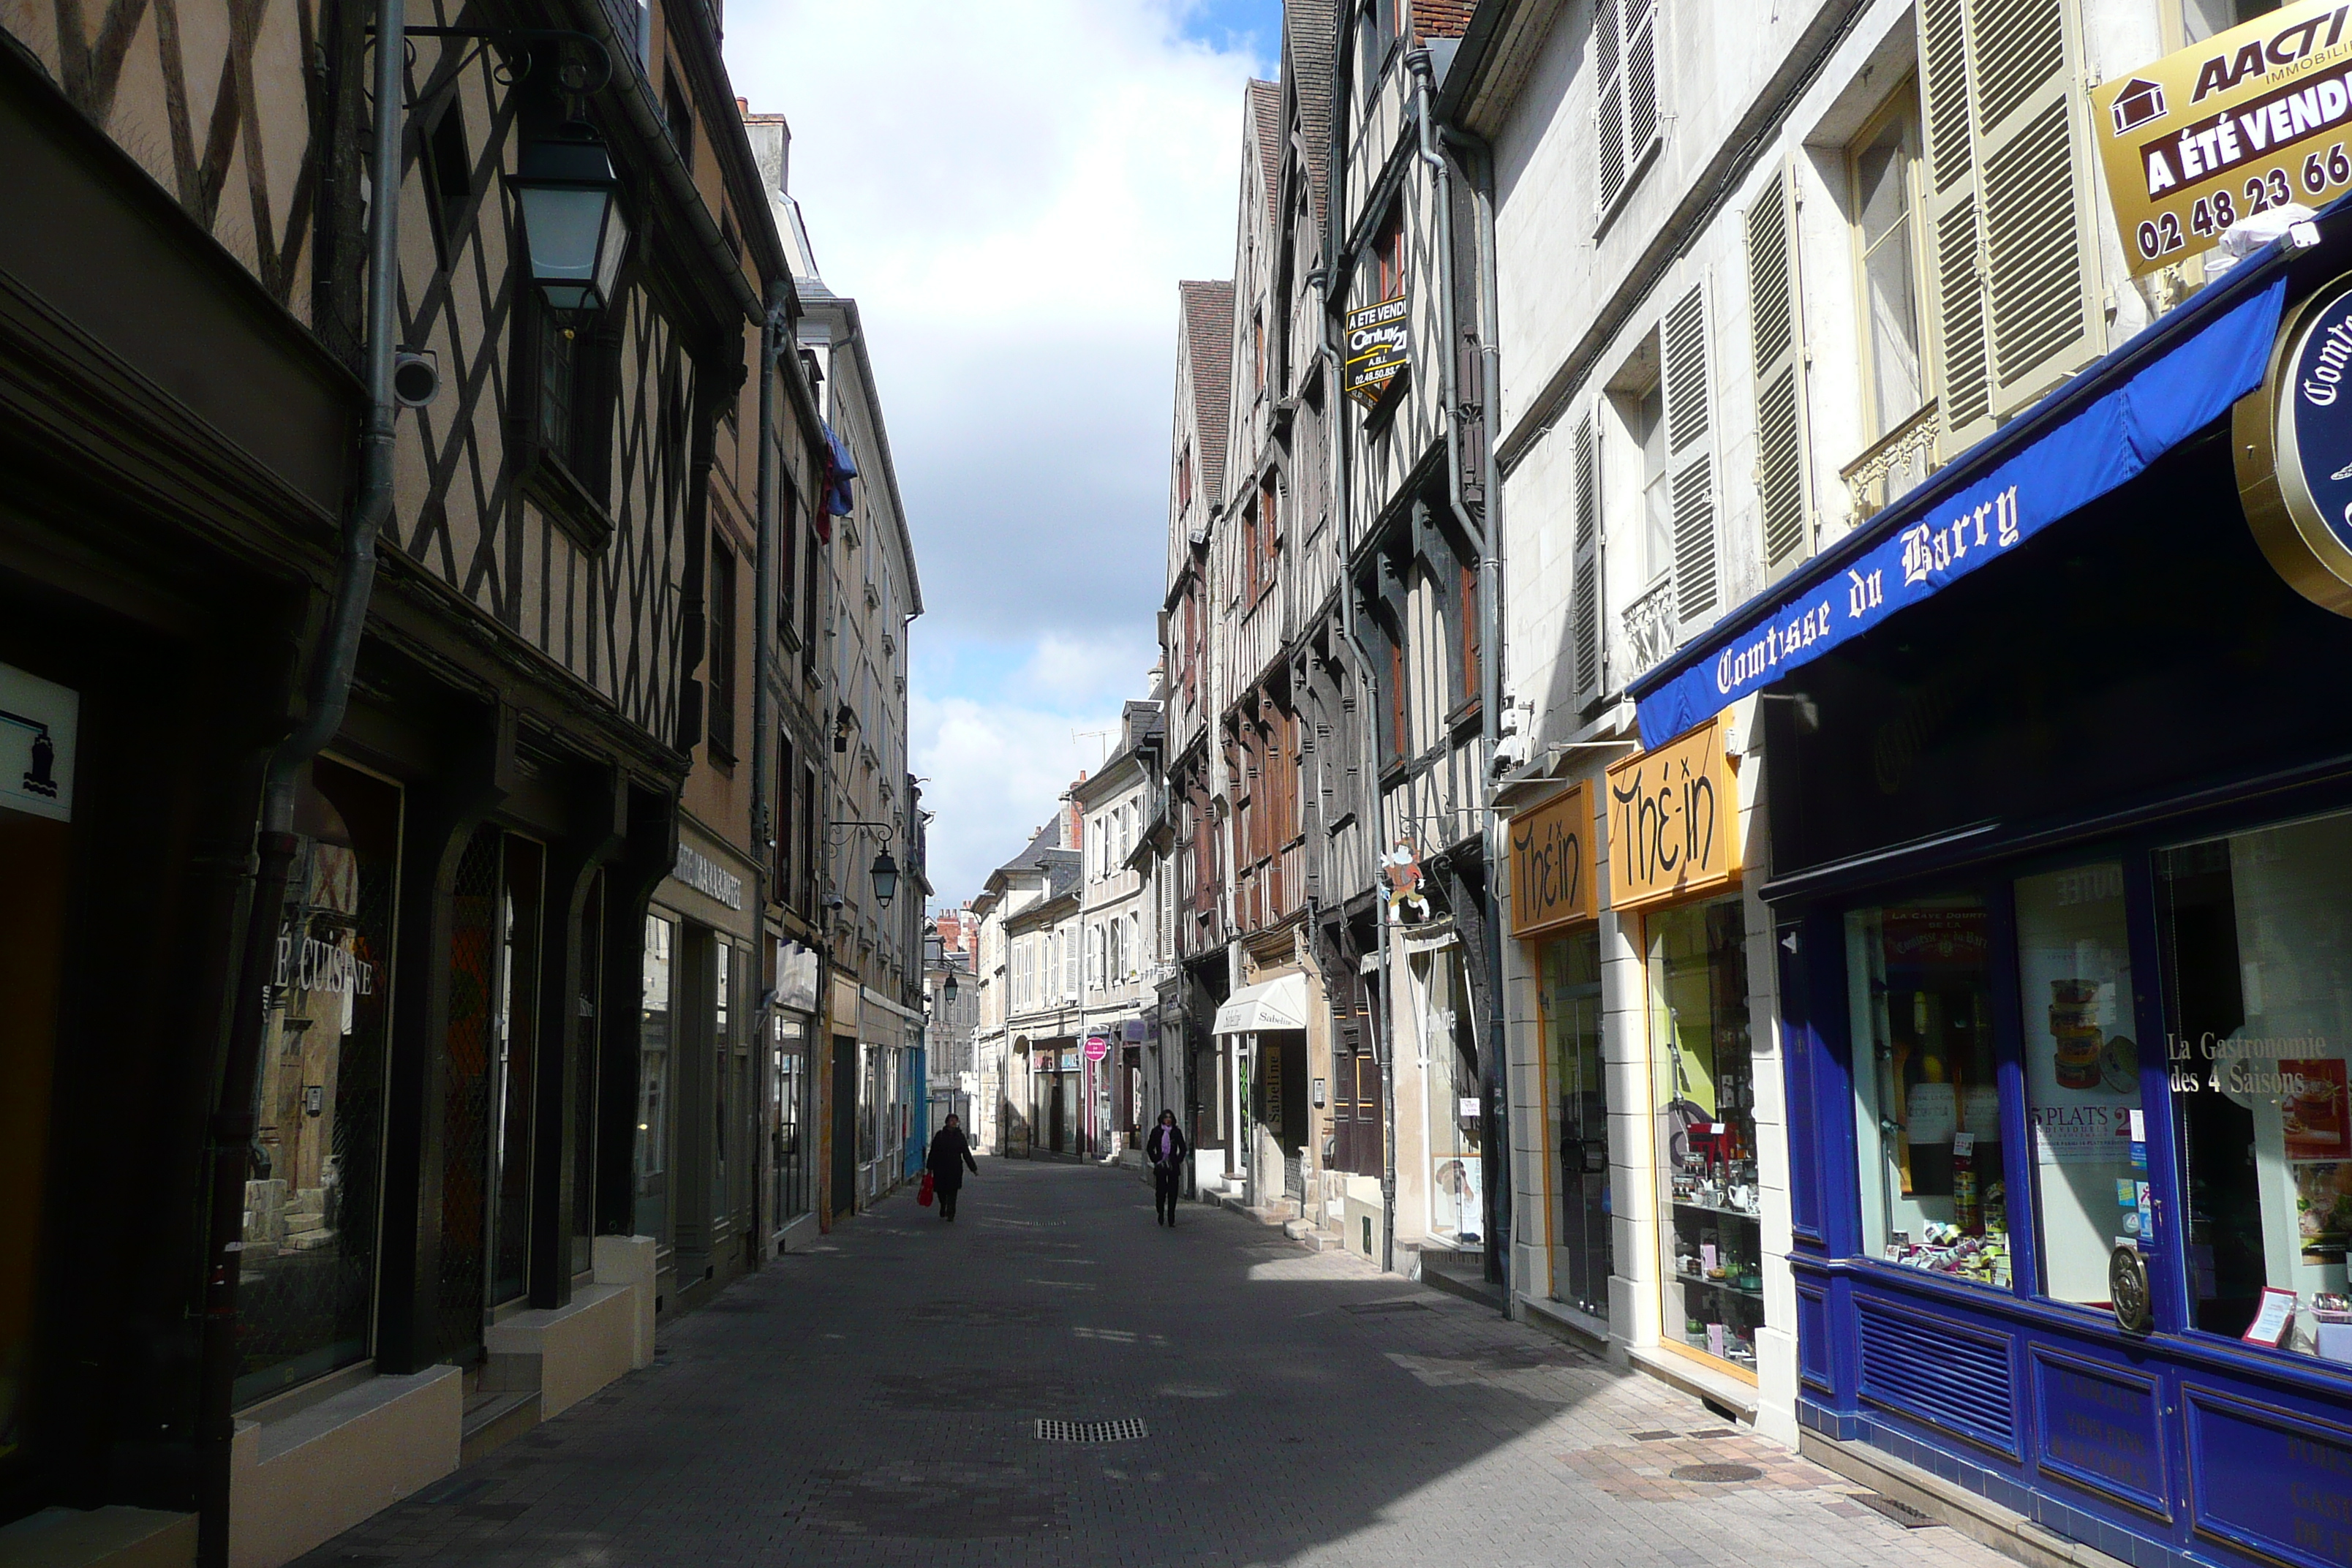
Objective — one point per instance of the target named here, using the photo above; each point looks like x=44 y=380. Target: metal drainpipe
x=763 y=784
x=233 y=1119
x=1490 y=638
x=1368 y=762
x=1493 y=1106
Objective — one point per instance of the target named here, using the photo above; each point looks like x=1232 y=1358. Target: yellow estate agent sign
x=1673 y=820
x=2213 y=135
x=1551 y=864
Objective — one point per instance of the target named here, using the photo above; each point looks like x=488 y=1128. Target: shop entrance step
x=495 y=1419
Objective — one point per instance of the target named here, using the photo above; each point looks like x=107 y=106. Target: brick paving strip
x=879 y=1402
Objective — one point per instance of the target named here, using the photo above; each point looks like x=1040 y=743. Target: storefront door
x=1577 y=1120
x=844 y=1124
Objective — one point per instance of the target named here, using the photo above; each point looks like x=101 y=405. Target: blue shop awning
x=2099 y=431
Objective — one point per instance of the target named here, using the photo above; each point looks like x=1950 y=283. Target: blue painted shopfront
x=2060 y=838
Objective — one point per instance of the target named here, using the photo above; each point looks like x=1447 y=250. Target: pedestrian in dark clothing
x=1166 y=1149
x=950 y=1153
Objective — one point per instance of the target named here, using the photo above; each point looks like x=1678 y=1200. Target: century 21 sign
x=2246 y=120
x=1673 y=820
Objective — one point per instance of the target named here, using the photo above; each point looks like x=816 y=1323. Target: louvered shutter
x=1587 y=604
x=1777 y=331
x=1625 y=50
x=2014 y=302
x=1609 y=134
x=1688 y=458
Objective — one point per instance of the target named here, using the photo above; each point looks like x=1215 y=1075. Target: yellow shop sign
x=1673 y=820
x=2213 y=135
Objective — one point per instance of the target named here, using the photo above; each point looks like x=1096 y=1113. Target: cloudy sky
x=1012 y=191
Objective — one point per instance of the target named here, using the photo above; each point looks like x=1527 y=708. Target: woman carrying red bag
x=944 y=1168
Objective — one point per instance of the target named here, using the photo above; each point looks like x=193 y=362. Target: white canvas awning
x=1277 y=1004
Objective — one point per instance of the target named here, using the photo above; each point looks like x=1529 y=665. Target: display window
x=307 y=1281
x=36 y=771
x=2256 y=935
x=2082 y=1079
x=1928 y=1091
x=651 y=1161
x=1449 y=1067
x=788 y=1067
x=1703 y=1081
x=1582 y=1252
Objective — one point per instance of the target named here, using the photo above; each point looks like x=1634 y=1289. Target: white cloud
x=997 y=771
x=1012 y=192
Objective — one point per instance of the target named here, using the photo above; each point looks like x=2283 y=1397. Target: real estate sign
x=2234 y=126
x=1379 y=345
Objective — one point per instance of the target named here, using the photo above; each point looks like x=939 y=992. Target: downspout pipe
x=229 y=1147
x=1368 y=764
x=764 y=783
x=1492 y=1111
x=1491 y=580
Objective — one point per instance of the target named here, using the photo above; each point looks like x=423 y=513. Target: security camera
x=415 y=377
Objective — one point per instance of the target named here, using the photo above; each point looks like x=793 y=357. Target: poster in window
x=2315 y=1115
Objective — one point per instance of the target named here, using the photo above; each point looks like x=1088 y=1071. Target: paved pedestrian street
x=878 y=1401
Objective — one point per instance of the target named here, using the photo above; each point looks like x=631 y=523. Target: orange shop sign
x=1673 y=820
x=1551 y=864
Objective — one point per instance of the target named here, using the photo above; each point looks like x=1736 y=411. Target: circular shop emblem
x=2127 y=1288
x=2293 y=450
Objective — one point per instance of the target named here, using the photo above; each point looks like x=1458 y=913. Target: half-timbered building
x=463 y=1108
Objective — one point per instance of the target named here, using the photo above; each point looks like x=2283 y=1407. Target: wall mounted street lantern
x=572 y=219
x=885 y=871
x=949 y=991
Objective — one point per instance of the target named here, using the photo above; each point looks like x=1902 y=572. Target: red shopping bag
x=923 y=1193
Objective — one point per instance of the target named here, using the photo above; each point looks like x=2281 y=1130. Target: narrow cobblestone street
x=877 y=1401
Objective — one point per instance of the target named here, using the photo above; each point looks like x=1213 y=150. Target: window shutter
x=1590 y=649
x=1641 y=79
x=1776 y=332
x=1609 y=134
x=2012 y=303
x=1688 y=456
x=1625 y=50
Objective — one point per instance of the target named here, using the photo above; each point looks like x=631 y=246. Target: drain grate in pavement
x=1375 y=1309
x=1718 y=1473
x=1656 y=1436
x=1902 y=1513
x=1127 y=1429
x=1715 y=1432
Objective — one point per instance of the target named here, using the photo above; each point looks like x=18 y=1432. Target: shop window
x=789 y=1066
x=1703 y=1084
x=651 y=1155
x=2082 y=1076
x=722 y=1046
x=584 y=1077
x=1927 y=1107
x=310 y=1205
x=2256 y=934
x=515 y=1071
x=37 y=763
x=1581 y=1250
x=1449 y=1064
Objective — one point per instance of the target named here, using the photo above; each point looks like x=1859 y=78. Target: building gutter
x=229 y=1149
x=1493 y=1111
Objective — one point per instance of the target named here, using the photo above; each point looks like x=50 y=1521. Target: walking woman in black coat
x=950 y=1153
